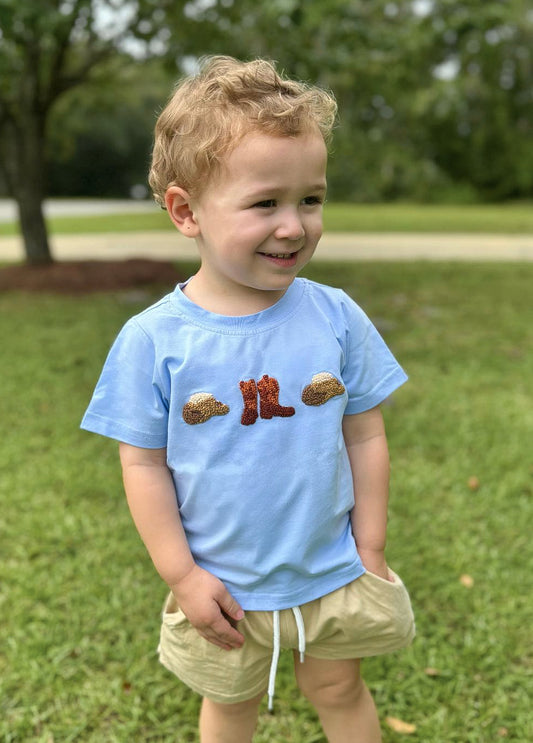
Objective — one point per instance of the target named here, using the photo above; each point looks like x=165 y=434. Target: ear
x=178 y=204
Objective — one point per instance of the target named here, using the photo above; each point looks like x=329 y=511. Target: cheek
x=252 y=229
x=315 y=227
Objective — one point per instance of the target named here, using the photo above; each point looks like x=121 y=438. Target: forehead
x=266 y=160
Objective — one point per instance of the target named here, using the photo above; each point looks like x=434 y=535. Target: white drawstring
x=274 y=663
x=276 y=646
x=301 y=631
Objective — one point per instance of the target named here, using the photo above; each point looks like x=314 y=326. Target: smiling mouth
x=282 y=256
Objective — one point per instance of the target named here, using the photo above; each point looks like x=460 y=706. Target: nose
x=290 y=225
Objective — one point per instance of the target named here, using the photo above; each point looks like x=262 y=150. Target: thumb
x=230 y=607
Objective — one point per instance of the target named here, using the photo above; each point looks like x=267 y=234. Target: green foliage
x=404 y=130
x=47 y=49
x=100 y=137
x=478 y=124
x=435 y=97
x=80 y=599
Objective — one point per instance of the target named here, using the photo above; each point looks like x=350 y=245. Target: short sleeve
x=371 y=373
x=128 y=403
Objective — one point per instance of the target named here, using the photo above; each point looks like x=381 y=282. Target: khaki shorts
x=369 y=616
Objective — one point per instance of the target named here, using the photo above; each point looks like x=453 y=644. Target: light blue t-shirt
x=250 y=410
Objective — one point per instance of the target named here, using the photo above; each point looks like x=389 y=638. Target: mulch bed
x=82 y=277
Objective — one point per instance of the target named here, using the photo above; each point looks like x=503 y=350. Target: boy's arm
x=366 y=443
x=202 y=597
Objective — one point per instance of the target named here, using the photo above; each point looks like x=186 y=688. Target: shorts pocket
x=386 y=617
x=210 y=671
x=172 y=614
x=396 y=581
x=390 y=595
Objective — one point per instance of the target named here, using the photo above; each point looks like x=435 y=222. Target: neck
x=230 y=303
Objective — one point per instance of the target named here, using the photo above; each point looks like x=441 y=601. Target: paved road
x=169 y=244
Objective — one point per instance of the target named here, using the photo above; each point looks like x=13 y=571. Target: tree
x=100 y=135
x=478 y=117
x=433 y=94
x=365 y=52
x=46 y=49
x=406 y=129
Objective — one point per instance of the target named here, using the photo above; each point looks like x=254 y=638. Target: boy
x=246 y=404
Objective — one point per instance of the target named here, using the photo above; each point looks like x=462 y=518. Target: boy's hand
x=209 y=607
x=374 y=561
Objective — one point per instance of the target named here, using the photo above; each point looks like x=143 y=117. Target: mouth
x=280 y=256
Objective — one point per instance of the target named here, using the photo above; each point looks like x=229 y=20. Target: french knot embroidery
x=269 y=406
x=323 y=387
x=201 y=407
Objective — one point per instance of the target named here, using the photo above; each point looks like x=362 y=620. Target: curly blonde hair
x=210 y=112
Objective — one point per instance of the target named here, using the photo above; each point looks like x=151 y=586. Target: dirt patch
x=82 y=277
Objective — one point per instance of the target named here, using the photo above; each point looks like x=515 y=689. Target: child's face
x=260 y=219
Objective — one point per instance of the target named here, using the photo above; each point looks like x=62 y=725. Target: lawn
x=80 y=600
x=511 y=218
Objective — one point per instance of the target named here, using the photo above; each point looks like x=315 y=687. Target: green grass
x=484 y=218
x=493 y=218
x=80 y=600
x=157 y=220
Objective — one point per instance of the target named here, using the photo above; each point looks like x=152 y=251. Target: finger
x=215 y=641
x=222 y=635
x=229 y=619
x=229 y=606
x=225 y=633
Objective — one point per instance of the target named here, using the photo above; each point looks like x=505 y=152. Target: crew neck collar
x=239 y=324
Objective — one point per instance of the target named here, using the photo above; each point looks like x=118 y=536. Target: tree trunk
x=23 y=165
x=33 y=228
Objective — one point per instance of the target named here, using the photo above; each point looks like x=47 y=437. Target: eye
x=266 y=204
x=313 y=200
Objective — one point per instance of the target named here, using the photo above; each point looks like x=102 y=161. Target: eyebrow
x=321 y=187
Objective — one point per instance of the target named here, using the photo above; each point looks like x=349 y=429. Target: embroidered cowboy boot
x=249 y=396
x=268 y=399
